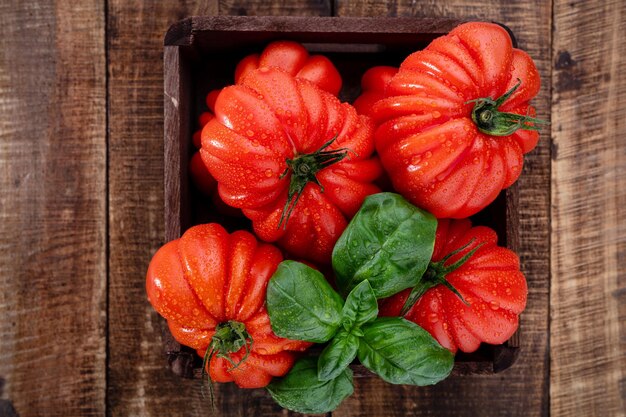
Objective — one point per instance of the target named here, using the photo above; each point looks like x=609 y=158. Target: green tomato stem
x=436 y=275
x=229 y=337
x=491 y=121
x=303 y=170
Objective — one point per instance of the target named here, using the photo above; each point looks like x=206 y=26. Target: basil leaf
x=301 y=304
x=336 y=357
x=301 y=391
x=360 y=306
x=389 y=243
x=401 y=352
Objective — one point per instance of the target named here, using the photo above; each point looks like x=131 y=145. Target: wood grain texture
x=52 y=208
x=139 y=381
x=588 y=300
x=522 y=389
x=276 y=7
x=54 y=61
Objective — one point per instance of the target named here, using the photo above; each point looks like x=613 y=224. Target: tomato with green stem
x=472 y=291
x=296 y=160
x=456 y=120
x=287 y=55
x=210 y=286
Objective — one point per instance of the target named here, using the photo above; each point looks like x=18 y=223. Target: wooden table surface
x=81 y=213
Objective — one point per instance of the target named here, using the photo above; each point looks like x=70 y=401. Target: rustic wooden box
x=201 y=54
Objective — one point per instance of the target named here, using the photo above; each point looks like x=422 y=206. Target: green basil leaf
x=301 y=391
x=389 y=243
x=401 y=352
x=301 y=304
x=360 y=306
x=337 y=355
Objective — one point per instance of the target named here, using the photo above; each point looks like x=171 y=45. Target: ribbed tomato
x=456 y=120
x=373 y=85
x=210 y=286
x=293 y=58
x=197 y=171
x=296 y=160
x=290 y=56
x=468 y=260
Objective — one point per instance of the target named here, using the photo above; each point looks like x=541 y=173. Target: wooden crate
x=201 y=54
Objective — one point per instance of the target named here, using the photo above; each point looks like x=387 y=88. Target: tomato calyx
x=436 y=275
x=491 y=121
x=229 y=337
x=303 y=170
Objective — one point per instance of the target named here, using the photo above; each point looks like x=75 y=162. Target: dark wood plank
x=52 y=208
x=588 y=297
x=139 y=380
x=523 y=389
x=276 y=7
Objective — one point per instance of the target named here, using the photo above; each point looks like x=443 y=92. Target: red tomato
x=295 y=159
x=456 y=120
x=210 y=286
x=200 y=175
x=373 y=84
x=289 y=56
x=490 y=281
x=293 y=58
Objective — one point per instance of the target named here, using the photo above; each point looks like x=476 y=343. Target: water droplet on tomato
x=416 y=159
x=269 y=173
x=494 y=305
x=306 y=211
x=433 y=318
x=428 y=154
x=436 y=114
x=445 y=326
x=508 y=291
